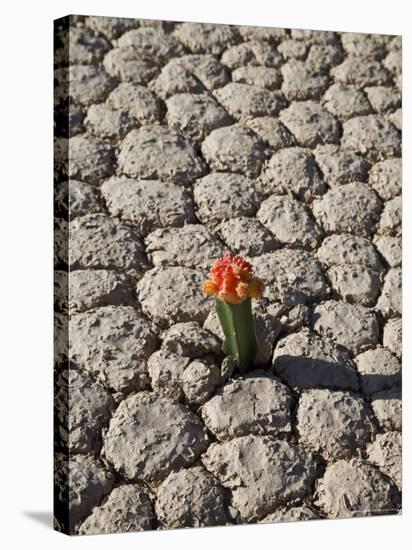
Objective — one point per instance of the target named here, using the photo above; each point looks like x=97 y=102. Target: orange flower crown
x=231 y=280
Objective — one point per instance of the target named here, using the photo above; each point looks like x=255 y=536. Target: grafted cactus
x=232 y=283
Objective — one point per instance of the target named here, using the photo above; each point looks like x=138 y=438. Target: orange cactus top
x=231 y=280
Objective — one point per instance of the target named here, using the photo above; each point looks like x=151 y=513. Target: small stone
x=96 y=288
x=128 y=508
x=195 y=115
x=305 y=360
x=390 y=248
x=289 y=221
x=149 y=436
x=347 y=250
x=151 y=42
x=339 y=166
x=247 y=236
x=156 y=153
x=207 y=37
x=352 y=326
x=298 y=513
x=148 y=204
x=360 y=72
x=165 y=369
x=302 y=81
x=82 y=407
x=391 y=218
x=74 y=198
x=355 y=489
x=324 y=56
x=100 y=242
x=262 y=473
x=172 y=295
x=355 y=284
x=219 y=196
x=192 y=498
x=346 y=101
x=138 y=101
x=255 y=405
x=90 y=160
x=272 y=131
x=386 y=453
x=310 y=123
x=106 y=122
x=293 y=170
x=386 y=178
x=191 y=340
x=261 y=77
x=125 y=65
x=372 y=136
x=387 y=406
x=351 y=208
x=392 y=336
x=88 y=84
x=243 y=101
x=379 y=370
x=255 y=53
x=199 y=380
x=192 y=245
x=336 y=424
x=293 y=49
x=383 y=99
x=390 y=300
x=113 y=343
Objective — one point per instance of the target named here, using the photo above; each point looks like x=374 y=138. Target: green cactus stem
x=239 y=329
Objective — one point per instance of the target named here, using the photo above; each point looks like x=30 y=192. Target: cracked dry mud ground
x=187 y=140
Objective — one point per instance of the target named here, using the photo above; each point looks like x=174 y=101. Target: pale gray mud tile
x=98 y=287
x=207 y=37
x=256 y=404
x=111 y=27
x=355 y=488
x=346 y=101
x=391 y=219
x=192 y=245
x=255 y=53
x=153 y=43
x=297 y=513
x=383 y=98
x=386 y=453
x=335 y=423
x=302 y=81
x=89 y=84
x=175 y=79
x=393 y=61
x=138 y=101
x=387 y=406
x=261 y=77
x=199 y=381
x=363 y=45
x=351 y=208
x=156 y=153
x=361 y=72
x=344 y=250
x=192 y=498
x=90 y=159
x=293 y=170
x=390 y=301
x=84 y=47
x=340 y=166
x=165 y=370
x=378 y=369
x=100 y=242
x=220 y=196
x=310 y=123
x=386 y=178
x=352 y=326
x=292 y=276
x=172 y=295
x=371 y=136
x=315 y=37
x=355 y=284
x=263 y=473
x=83 y=406
x=191 y=340
x=74 y=198
x=150 y=436
x=390 y=249
x=113 y=343
x=305 y=360
x=205 y=68
x=61 y=242
x=128 y=508
x=107 y=122
x=126 y=65
x=289 y=222
x=324 y=56
x=272 y=132
x=243 y=101
x=395 y=118
x=293 y=49
x=269 y=34
x=195 y=115
x=392 y=336
x=148 y=204
x=247 y=236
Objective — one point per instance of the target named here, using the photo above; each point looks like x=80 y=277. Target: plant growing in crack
x=233 y=284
